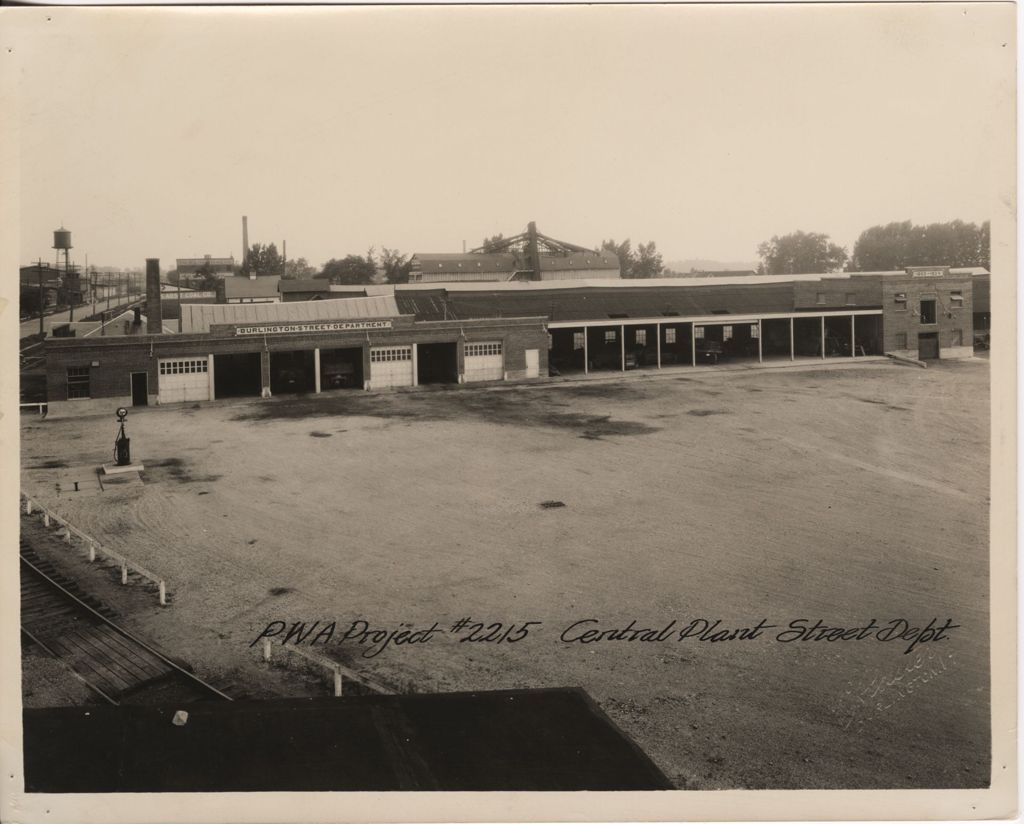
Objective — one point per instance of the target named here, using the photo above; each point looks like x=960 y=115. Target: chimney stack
x=245 y=240
x=154 y=312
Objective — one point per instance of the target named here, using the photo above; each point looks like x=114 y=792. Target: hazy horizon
x=705 y=129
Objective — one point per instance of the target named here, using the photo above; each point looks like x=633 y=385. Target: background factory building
x=417 y=334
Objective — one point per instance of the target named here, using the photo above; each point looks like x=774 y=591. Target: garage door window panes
x=480 y=350
x=183 y=367
x=391 y=353
x=78 y=382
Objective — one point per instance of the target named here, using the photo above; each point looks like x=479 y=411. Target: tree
x=263 y=260
x=352 y=269
x=396 y=265
x=624 y=252
x=800 y=253
x=493 y=243
x=299 y=268
x=205 y=280
x=647 y=263
x=898 y=245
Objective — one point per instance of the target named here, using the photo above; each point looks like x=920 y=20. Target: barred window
x=670 y=335
x=609 y=336
x=386 y=354
x=184 y=367
x=477 y=350
x=641 y=337
x=698 y=332
x=78 y=382
x=726 y=333
x=577 y=340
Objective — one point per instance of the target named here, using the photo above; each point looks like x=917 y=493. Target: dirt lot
x=842 y=495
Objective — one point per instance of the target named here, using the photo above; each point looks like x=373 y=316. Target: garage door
x=390 y=366
x=484 y=362
x=184 y=379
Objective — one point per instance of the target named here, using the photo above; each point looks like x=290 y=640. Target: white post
x=124 y=572
x=586 y=351
x=823 y=337
x=622 y=346
x=657 y=331
x=46 y=518
x=693 y=343
x=316 y=368
x=853 y=336
x=67 y=534
x=415 y=366
x=209 y=372
x=92 y=551
x=337 y=682
x=792 y=347
x=760 y=357
x=163 y=594
x=266 y=649
x=28 y=506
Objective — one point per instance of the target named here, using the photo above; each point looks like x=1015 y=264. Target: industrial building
x=416 y=334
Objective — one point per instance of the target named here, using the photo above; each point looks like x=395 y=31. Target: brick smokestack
x=245 y=240
x=154 y=317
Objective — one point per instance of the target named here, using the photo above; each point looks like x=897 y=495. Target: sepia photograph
x=592 y=404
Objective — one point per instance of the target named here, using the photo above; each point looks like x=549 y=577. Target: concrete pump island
x=755 y=467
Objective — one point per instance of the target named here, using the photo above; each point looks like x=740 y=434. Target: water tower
x=62 y=241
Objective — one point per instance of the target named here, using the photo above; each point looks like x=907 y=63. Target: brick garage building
x=412 y=335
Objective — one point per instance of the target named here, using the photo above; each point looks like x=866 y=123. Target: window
x=551 y=341
x=698 y=332
x=755 y=331
x=726 y=333
x=480 y=350
x=900 y=299
x=78 y=382
x=577 y=340
x=183 y=367
x=670 y=335
x=901 y=340
x=385 y=354
x=956 y=299
x=851 y=299
x=609 y=336
x=641 y=337
x=821 y=299
x=928 y=311
x=957 y=338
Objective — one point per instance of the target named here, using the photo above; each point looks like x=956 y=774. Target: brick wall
x=838 y=293
x=901 y=320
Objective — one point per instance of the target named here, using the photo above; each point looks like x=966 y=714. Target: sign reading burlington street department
x=325 y=326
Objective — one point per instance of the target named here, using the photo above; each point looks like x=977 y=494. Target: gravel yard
x=844 y=495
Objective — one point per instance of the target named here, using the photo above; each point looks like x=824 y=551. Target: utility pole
x=39 y=271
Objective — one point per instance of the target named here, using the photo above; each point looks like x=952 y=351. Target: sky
x=708 y=129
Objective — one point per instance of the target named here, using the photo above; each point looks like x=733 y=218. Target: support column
x=213 y=382
x=760 y=352
x=657 y=331
x=792 y=346
x=415 y=367
x=853 y=336
x=586 y=351
x=693 y=344
x=622 y=346
x=316 y=369
x=823 y=337
x=264 y=374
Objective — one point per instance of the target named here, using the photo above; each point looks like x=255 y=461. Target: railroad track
x=78 y=631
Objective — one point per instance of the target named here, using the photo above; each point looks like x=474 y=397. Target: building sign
x=928 y=273
x=323 y=326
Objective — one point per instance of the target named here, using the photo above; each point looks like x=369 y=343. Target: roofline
x=709 y=320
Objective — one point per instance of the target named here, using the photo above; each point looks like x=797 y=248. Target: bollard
x=28 y=506
x=163 y=594
x=337 y=683
x=67 y=535
x=266 y=649
x=92 y=551
x=124 y=572
x=46 y=518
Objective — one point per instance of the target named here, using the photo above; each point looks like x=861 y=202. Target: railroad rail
x=112 y=662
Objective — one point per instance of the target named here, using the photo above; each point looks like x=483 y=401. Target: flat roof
x=199 y=317
x=536 y=739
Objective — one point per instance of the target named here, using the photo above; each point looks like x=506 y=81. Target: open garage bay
x=844 y=495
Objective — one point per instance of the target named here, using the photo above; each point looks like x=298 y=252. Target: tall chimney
x=245 y=240
x=154 y=316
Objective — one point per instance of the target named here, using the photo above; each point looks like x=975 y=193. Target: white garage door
x=390 y=366
x=184 y=379
x=484 y=362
